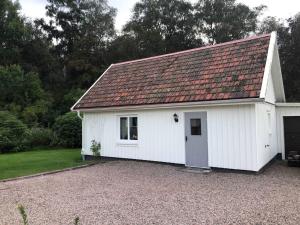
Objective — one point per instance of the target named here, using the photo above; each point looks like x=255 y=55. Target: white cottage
x=215 y=106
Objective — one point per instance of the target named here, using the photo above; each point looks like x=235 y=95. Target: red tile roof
x=232 y=70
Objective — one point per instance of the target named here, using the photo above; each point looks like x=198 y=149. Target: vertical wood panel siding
x=266 y=134
x=231 y=135
x=281 y=112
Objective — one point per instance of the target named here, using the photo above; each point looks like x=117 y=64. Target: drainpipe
x=78 y=114
x=80 y=117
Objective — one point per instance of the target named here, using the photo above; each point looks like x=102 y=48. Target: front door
x=196 y=150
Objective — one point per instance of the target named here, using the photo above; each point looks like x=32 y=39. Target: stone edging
x=48 y=173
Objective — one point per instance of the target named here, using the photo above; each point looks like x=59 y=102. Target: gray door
x=196 y=150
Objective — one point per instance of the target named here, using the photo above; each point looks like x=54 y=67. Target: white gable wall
x=231 y=135
x=270 y=92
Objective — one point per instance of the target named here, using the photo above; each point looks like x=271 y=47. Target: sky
x=279 y=8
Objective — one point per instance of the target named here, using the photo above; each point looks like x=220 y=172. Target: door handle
x=186 y=138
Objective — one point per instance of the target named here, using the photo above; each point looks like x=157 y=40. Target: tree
x=225 y=20
x=22 y=94
x=270 y=24
x=288 y=38
x=67 y=129
x=81 y=30
x=161 y=26
x=12 y=132
x=13 y=32
x=289 y=42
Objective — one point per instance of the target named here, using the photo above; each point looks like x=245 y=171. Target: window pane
x=123 y=128
x=133 y=124
x=195 y=127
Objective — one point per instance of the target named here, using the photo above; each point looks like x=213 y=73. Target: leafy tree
x=67 y=129
x=289 y=51
x=22 y=94
x=270 y=24
x=290 y=57
x=160 y=26
x=12 y=132
x=122 y=48
x=81 y=30
x=13 y=32
x=225 y=20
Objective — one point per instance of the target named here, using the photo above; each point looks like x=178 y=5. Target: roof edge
x=197 y=49
x=268 y=66
x=241 y=101
x=288 y=104
x=72 y=108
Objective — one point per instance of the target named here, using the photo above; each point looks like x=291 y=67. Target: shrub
x=67 y=130
x=40 y=137
x=12 y=133
x=95 y=148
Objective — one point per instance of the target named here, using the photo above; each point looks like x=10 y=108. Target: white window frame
x=128 y=141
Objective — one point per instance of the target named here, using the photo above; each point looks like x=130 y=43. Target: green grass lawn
x=37 y=161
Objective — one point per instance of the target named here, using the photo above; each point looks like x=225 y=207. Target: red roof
x=232 y=70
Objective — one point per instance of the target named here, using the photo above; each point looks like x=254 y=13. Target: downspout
x=80 y=117
x=78 y=114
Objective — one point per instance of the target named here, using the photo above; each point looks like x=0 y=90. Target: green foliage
x=70 y=99
x=12 y=133
x=22 y=94
x=13 y=32
x=162 y=26
x=67 y=130
x=23 y=214
x=40 y=137
x=225 y=20
x=82 y=31
x=289 y=51
x=95 y=148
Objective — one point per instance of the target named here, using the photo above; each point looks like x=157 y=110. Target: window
x=128 y=128
x=195 y=127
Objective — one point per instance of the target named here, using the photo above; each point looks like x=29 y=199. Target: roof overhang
x=288 y=104
x=273 y=68
x=245 y=101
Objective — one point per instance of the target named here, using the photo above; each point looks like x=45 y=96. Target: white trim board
x=72 y=108
x=246 y=101
x=268 y=66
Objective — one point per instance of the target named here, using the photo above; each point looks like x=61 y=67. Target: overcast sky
x=279 y=8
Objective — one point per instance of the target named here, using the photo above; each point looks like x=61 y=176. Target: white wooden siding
x=266 y=133
x=281 y=112
x=231 y=135
x=270 y=93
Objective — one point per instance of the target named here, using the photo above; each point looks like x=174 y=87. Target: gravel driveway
x=129 y=192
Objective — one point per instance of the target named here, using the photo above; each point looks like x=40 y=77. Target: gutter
x=174 y=105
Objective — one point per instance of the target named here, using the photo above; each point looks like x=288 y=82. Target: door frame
x=184 y=135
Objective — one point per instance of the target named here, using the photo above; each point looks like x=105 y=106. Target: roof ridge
x=196 y=49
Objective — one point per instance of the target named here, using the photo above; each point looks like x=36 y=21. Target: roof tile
x=232 y=70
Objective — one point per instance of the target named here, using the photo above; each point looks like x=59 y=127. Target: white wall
x=231 y=135
x=266 y=133
x=281 y=112
x=270 y=93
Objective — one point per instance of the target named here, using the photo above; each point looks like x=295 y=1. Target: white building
x=216 y=106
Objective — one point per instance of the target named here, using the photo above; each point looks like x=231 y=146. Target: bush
x=12 y=133
x=67 y=130
x=40 y=137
